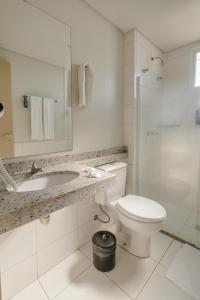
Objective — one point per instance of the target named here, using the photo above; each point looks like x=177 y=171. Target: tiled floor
x=133 y=278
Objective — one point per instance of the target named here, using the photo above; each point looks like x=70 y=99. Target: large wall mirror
x=35 y=82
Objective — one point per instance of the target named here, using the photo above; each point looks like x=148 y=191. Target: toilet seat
x=141 y=209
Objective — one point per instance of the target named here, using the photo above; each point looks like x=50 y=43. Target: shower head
x=158 y=57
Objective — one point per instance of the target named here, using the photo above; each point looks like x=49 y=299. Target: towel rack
x=26 y=101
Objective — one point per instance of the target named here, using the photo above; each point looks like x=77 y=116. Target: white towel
x=36 y=118
x=49 y=118
x=85 y=84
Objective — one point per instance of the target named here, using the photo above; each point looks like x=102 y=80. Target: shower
x=167 y=150
x=158 y=57
x=146 y=70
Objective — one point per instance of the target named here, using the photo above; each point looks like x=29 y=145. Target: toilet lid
x=141 y=209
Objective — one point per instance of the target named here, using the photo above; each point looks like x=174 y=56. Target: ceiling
x=168 y=23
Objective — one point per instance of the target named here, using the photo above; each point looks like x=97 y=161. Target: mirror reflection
x=35 y=84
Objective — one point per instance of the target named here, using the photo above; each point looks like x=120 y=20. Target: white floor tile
x=160 y=288
x=32 y=292
x=159 y=244
x=185 y=269
x=57 y=279
x=131 y=272
x=92 y=285
x=87 y=250
x=171 y=253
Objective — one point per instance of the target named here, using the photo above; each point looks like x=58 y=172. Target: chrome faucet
x=34 y=169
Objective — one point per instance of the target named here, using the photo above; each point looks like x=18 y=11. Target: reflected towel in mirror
x=49 y=118
x=36 y=118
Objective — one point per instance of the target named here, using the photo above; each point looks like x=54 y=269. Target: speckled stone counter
x=17 y=209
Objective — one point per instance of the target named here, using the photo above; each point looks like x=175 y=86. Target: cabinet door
x=6 y=128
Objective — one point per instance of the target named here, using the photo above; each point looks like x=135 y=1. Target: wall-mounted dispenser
x=1 y=109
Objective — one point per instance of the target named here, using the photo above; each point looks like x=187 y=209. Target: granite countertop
x=19 y=208
x=12 y=201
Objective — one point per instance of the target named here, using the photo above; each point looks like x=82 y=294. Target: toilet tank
x=117 y=190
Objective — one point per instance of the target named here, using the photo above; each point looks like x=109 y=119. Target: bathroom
x=99 y=98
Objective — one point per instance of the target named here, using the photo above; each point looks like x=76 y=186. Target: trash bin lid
x=104 y=239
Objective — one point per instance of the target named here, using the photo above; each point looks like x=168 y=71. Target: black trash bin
x=104 y=246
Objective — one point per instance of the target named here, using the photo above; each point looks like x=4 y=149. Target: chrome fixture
x=158 y=57
x=45 y=220
x=145 y=70
x=148 y=133
x=34 y=169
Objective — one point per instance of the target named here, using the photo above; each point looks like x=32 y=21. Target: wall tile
x=129 y=114
x=18 y=277
x=129 y=93
x=129 y=53
x=17 y=245
x=57 y=251
x=129 y=36
x=61 y=223
x=130 y=173
x=86 y=211
x=86 y=231
x=128 y=134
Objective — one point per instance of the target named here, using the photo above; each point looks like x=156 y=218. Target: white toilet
x=138 y=217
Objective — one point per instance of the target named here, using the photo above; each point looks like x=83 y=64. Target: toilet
x=137 y=218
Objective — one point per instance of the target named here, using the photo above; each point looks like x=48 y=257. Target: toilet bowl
x=141 y=218
x=138 y=218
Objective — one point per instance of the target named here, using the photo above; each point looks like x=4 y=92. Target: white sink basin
x=45 y=181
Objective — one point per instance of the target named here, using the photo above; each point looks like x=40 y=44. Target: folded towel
x=36 y=118
x=85 y=84
x=49 y=118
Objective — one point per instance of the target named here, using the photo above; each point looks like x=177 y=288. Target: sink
x=45 y=181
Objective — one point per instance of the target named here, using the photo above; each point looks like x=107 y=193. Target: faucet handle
x=34 y=164
x=34 y=169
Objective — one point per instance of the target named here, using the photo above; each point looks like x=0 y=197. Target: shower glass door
x=169 y=153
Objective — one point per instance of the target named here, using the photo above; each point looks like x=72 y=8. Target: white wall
x=145 y=101
x=94 y=40
x=149 y=107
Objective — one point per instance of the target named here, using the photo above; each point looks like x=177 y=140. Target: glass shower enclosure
x=168 y=146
